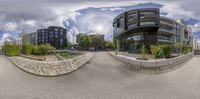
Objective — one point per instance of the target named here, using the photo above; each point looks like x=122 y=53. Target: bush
x=186 y=49
x=35 y=50
x=155 y=50
x=27 y=49
x=166 y=50
x=161 y=51
x=11 y=49
x=46 y=49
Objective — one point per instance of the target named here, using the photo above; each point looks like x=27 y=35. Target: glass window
x=147 y=23
x=56 y=33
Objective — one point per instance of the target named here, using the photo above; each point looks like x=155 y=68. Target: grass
x=68 y=55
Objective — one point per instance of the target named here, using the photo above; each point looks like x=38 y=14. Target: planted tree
x=143 y=52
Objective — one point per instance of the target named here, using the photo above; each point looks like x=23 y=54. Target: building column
x=118 y=45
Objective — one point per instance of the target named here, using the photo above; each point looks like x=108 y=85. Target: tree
x=80 y=40
x=83 y=41
x=115 y=43
x=109 y=45
x=97 y=42
x=86 y=41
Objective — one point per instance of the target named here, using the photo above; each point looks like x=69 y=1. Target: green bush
x=27 y=49
x=155 y=50
x=11 y=49
x=166 y=50
x=45 y=49
x=161 y=51
x=186 y=49
x=35 y=50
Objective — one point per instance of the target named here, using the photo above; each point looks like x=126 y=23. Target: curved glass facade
x=139 y=27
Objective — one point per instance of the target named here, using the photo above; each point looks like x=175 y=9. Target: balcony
x=165 y=40
x=166 y=23
x=166 y=31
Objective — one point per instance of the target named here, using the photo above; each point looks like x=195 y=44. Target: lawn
x=68 y=55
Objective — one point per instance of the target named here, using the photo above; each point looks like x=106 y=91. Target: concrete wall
x=152 y=64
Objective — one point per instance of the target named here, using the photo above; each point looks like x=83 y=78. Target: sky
x=83 y=16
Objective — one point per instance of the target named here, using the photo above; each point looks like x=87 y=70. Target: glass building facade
x=135 y=28
x=56 y=36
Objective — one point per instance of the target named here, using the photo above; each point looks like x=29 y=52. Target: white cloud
x=31 y=22
x=10 y=26
x=33 y=14
x=5 y=37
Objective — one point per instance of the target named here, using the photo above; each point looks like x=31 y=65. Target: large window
x=147 y=23
x=121 y=22
x=136 y=37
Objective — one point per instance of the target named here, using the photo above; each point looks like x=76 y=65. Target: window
x=61 y=33
x=147 y=13
x=147 y=23
x=56 y=33
x=61 y=41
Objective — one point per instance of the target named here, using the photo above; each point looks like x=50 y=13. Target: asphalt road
x=102 y=78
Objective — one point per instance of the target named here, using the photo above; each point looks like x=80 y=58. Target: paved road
x=103 y=78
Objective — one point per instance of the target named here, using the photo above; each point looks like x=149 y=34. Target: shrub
x=11 y=49
x=166 y=50
x=186 y=49
x=161 y=51
x=143 y=52
x=155 y=50
x=27 y=49
x=35 y=50
x=46 y=49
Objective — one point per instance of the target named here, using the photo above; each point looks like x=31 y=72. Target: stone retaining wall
x=152 y=64
x=50 y=68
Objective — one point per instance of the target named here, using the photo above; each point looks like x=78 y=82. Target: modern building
x=32 y=38
x=139 y=27
x=56 y=36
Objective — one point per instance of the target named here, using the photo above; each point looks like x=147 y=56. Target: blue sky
x=82 y=16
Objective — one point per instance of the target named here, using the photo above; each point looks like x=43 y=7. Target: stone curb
x=72 y=65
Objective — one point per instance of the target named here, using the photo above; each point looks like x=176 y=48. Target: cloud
x=84 y=15
x=5 y=37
